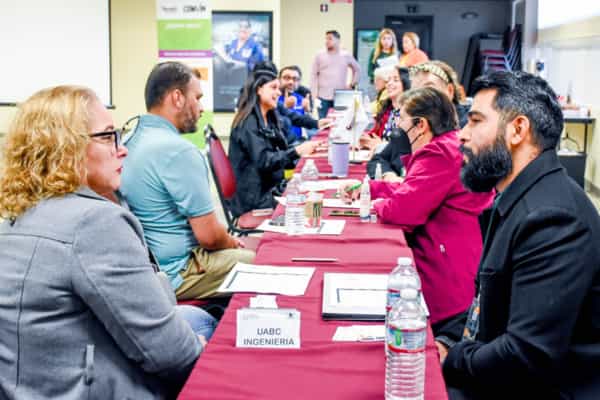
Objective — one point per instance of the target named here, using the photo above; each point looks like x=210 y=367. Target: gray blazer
x=82 y=313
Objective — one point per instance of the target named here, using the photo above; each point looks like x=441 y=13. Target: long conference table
x=321 y=368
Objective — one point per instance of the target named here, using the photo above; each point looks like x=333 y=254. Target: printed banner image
x=185 y=35
x=240 y=41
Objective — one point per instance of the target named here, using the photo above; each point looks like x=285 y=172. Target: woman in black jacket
x=258 y=150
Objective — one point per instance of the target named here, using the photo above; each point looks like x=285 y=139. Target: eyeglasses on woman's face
x=112 y=137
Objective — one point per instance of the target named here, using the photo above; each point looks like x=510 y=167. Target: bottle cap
x=404 y=261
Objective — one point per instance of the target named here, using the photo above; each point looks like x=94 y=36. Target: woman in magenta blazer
x=437 y=214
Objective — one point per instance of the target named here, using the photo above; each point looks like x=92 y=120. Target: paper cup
x=313 y=209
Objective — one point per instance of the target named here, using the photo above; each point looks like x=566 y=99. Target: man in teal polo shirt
x=165 y=182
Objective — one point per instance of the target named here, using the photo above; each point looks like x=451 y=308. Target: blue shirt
x=297 y=109
x=165 y=181
x=251 y=52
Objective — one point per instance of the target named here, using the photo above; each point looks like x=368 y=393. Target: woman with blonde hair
x=385 y=47
x=413 y=55
x=83 y=313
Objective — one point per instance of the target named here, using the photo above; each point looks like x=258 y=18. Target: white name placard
x=268 y=328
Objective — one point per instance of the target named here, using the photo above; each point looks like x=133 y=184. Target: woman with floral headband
x=441 y=76
x=436 y=74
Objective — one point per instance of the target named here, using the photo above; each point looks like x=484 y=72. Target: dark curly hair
x=521 y=93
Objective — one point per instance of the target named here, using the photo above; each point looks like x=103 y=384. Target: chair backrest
x=222 y=173
x=220 y=165
x=224 y=178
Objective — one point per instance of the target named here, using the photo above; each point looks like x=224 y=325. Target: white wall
x=572 y=54
x=134 y=50
x=303 y=28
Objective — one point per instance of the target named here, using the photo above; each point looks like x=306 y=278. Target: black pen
x=314 y=259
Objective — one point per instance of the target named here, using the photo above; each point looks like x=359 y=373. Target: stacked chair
x=492 y=52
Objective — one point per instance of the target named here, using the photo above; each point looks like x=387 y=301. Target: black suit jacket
x=539 y=288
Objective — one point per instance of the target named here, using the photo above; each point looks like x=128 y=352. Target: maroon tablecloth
x=321 y=368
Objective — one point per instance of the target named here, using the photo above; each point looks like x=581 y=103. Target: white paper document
x=336 y=114
x=339 y=203
x=356 y=296
x=263 y=301
x=359 y=333
x=351 y=124
x=325 y=184
x=290 y=281
x=328 y=227
x=387 y=61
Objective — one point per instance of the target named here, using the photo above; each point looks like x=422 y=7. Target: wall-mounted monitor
x=48 y=43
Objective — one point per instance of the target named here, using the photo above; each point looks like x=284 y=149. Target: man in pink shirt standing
x=330 y=71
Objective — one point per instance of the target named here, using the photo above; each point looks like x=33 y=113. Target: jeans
x=202 y=323
x=324 y=108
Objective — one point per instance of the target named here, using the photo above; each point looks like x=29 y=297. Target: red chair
x=224 y=177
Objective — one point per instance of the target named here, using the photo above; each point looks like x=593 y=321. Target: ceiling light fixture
x=469 y=15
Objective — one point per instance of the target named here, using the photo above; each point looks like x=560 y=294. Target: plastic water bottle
x=403 y=276
x=310 y=171
x=365 y=201
x=378 y=172
x=294 y=207
x=406 y=333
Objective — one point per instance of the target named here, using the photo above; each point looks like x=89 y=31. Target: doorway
x=421 y=25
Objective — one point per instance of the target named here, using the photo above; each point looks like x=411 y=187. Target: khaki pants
x=206 y=270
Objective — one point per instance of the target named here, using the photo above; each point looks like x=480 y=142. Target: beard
x=482 y=172
x=188 y=122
